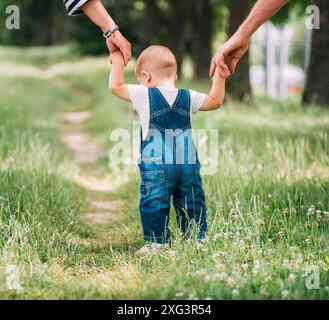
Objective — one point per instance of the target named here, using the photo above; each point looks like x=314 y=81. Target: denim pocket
x=152 y=171
x=144 y=191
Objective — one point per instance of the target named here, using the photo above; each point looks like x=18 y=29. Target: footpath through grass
x=267 y=204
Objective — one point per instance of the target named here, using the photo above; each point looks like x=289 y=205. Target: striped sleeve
x=73 y=6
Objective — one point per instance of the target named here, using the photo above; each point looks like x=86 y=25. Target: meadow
x=268 y=203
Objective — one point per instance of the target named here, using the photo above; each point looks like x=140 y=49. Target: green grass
x=37 y=56
x=273 y=167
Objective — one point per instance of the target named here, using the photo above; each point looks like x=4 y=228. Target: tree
x=202 y=35
x=150 y=21
x=178 y=20
x=317 y=84
x=238 y=86
x=37 y=19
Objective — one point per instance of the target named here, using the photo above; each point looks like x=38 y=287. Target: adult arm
x=97 y=13
x=233 y=50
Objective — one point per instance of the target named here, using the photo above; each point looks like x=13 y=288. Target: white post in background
x=286 y=37
x=271 y=60
x=308 y=47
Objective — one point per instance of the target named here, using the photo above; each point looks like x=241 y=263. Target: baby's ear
x=146 y=75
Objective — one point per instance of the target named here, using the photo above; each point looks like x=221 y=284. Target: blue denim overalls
x=170 y=169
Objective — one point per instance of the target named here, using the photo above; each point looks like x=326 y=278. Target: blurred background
x=281 y=51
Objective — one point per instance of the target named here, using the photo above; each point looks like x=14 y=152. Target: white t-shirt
x=139 y=96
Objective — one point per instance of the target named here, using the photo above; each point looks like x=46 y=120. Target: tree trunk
x=178 y=24
x=149 y=24
x=238 y=86
x=202 y=31
x=317 y=83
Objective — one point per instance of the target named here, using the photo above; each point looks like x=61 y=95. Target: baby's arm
x=216 y=96
x=117 y=83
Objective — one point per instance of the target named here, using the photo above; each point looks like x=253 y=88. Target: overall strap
x=157 y=102
x=183 y=102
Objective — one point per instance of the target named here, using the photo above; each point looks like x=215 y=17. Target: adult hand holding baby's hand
x=229 y=55
x=118 y=43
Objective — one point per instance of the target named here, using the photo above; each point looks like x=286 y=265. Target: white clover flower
x=310 y=211
x=307 y=241
x=230 y=282
x=281 y=234
x=216 y=237
x=207 y=278
x=221 y=276
x=245 y=266
x=285 y=294
x=172 y=254
x=264 y=292
x=235 y=292
x=221 y=267
x=292 y=278
x=199 y=245
x=256 y=266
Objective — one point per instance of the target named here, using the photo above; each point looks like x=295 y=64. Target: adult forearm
x=262 y=11
x=95 y=10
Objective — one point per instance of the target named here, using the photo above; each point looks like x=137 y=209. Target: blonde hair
x=157 y=59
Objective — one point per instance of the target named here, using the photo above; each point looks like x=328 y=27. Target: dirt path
x=86 y=151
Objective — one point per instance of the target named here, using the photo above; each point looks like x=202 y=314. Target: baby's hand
x=116 y=57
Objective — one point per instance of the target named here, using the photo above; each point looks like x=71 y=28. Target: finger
x=222 y=66
x=223 y=69
x=128 y=48
x=125 y=52
x=213 y=67
x=125 y=55
x=226 y=71
x=233 y=64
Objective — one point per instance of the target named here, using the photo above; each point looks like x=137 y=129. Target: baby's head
x=156 y=65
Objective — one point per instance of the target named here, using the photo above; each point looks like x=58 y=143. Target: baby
x=169 y=163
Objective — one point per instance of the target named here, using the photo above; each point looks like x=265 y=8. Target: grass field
x=268 y=203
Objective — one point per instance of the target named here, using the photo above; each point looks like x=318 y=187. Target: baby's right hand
x=116 y=57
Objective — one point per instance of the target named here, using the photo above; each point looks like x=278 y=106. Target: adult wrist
x=107 y=24
x=107 y=34
x=244 y=34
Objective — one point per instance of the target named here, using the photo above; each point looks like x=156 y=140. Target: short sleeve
x=73 y=6
x=139 y=96
x=197 y=100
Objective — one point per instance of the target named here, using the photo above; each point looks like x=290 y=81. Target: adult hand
x=117 y=42
x=229 y=55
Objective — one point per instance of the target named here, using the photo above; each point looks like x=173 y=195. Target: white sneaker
x=152 y=248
